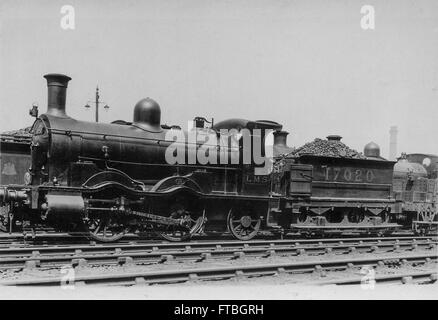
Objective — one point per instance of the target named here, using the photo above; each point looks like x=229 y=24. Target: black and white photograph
x=229 y=151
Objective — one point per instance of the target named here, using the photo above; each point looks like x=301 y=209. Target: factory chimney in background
x=393 y=143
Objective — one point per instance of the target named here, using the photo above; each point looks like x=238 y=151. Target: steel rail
x=219 y=273
x=56 y=239
x=150 y=246
x=405 y=278
x=135 y=253
x=191 y=245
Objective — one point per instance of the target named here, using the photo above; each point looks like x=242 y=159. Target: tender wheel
x=243 y=225
x=192 y=223
x=104 y=229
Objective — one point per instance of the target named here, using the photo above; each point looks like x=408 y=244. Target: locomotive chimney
x=280 y=138
x=280 y=143
x=57 y=93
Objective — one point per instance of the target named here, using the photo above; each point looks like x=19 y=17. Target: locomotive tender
x=14 y=163
x=105 y=180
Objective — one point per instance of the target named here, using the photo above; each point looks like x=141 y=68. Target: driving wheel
x=243 y=225
x=104 y=228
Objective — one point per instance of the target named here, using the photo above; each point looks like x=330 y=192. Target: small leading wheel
x=192 y=222
x=243 y=225
x=104 y=229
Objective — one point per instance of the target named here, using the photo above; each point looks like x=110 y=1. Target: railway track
x=51 y=238
x=405 y=278
x=56 y=238
x=227 y=272
x=148 y=253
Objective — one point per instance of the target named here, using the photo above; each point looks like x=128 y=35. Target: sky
x=306 y=64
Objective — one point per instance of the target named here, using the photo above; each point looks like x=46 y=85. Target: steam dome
x=147 y=115
x=372 y=150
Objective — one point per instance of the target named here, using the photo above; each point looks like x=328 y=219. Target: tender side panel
x=343 y=178
x=300 y=179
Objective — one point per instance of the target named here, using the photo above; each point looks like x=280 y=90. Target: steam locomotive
x=105 y=180
x=108 y=179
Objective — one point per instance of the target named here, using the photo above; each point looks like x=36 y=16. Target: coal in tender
x=331 y=147
x=25 y=132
